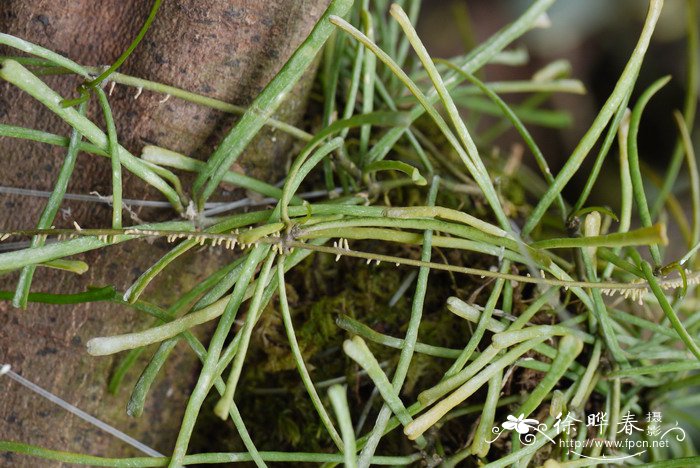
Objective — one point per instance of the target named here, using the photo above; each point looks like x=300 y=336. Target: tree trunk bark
x=223 y=49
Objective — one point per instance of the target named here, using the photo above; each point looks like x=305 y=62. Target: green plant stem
x=91 y=295
x=689 y=107
x=201 y=100
x=114 y=158
x=422 y=423
x=650 y=235
x=224 y=404
x=471 y=63
x=136 y=402
x=622 y=88
x=93 y=84
x=169 y=158
x=234 y=222
x=600 y=311
x=470 y=159
x=19 y=76
x=655 y=369
x=205 y=458
x=633 y=155
x=602 y=154
x=479 y=446
x=301 y=167
x=401 y=166
x=369 y=74
x=569 y=348
x=466 y=311
x=692 y=175
x=338 y=396
x=358 y=351
x=353 y=326
x=478 y=333
x=410 y=340
x=49 y=214
x=57 y=250
x=217 y=342
x=517 y=123
x=264 y=105
x=299 y=360
x=668 y=310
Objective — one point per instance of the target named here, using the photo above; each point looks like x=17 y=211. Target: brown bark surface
x=224 y=49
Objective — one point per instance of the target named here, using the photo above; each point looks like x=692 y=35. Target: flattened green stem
x=527 y=113
x=38 y=51
x=626 y=194
x=509 y=338
x=474 y=168
x=655 y=369
x=91 y=295
x=301 y=167
x=351 y=99
x=517 y=123
x=464 y=310
x=216 y=345
x=114 y=159
x=299 y=361
x=483 y=242
x=652 y=235
x=198 y=459
x=480 y=447
x=668 y=310
x=49 y=213
x=222 y=408
x=600 y=311
x=587 y=380
x=201 y=353
x=93 y=84
x=622 y=89
x=570 y=86
x=617 y=120
x=205 y=101
x=422 y=423
x=264 y=105
x=689 y=107
x=169 y=158
x=447 y=214
x=113 y=344
x=13 y=131
x=73 y=266
x=19 y=76
x=369 y=73
x=472 y=62
x=256 y=234
x=56 y=250
x=137 y=288
x=411 y=339
x=357 y=328
x=401 y=166
x=633 y=154
x=692 y=175
x=570 y=347
x=392 y=235
x=481 y=326
x=87 y=241
x=359 y=352
x=137 y=400
x=338 y=396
